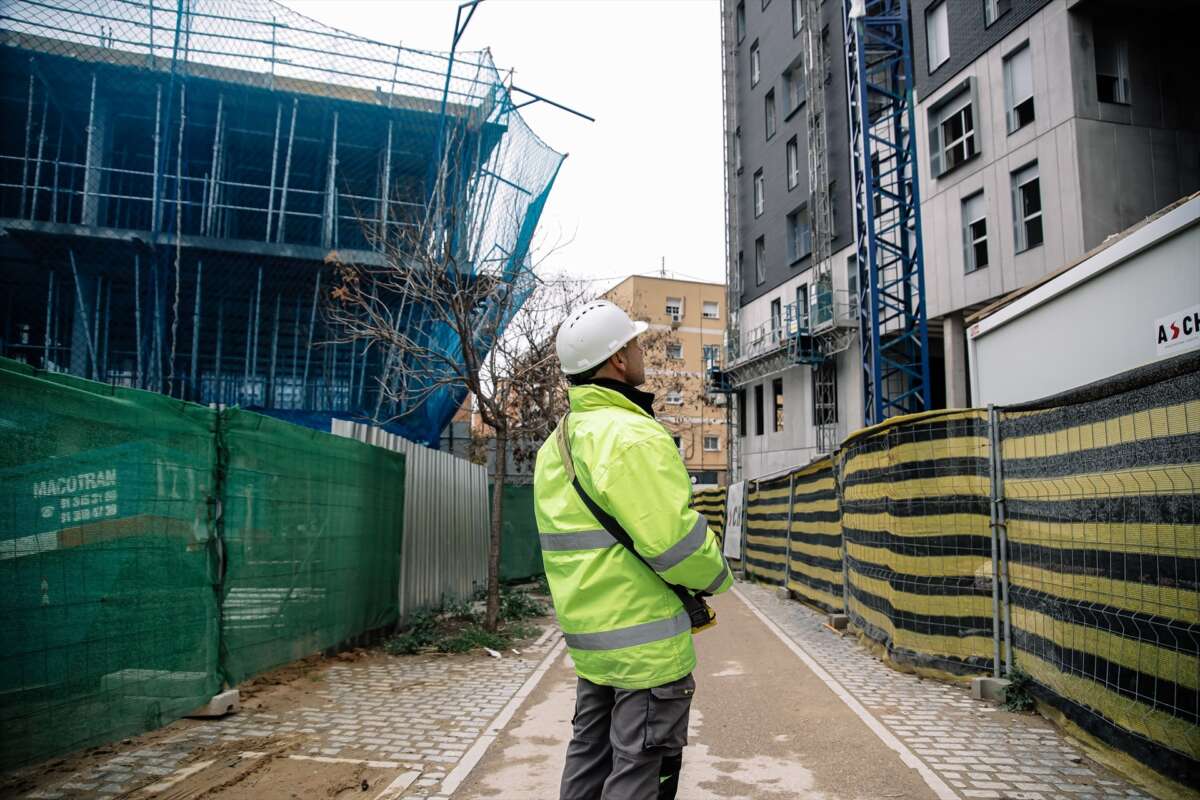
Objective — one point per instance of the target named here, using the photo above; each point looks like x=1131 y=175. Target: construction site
x=238 y=561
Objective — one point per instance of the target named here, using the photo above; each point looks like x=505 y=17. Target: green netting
x=106 y=558
x=150 y=548
x=312 y=526
x=520 y=548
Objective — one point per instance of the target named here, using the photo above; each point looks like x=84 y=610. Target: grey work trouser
x=627 y=744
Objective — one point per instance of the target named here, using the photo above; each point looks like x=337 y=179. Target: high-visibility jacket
x=622 y=625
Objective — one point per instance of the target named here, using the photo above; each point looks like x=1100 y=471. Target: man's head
x=599 y=340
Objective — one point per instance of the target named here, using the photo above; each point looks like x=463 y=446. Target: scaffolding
x=184 y=170
x=887 y=210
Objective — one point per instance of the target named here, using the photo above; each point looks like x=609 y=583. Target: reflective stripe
x=683 y=548
x=633 y=635
x=712 y=587
x=577 y=540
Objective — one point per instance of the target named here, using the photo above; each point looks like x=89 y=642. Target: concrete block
x=224 y=703
x=838 y=621
x=989 y=689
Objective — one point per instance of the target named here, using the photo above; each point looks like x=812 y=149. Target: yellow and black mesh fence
x=915 y=505
x=1100 y=496
x=815 y=537
x=766 y=530
x=711 y=503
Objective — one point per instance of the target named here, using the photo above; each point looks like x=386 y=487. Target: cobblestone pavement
x=978 y=749
x=396 y=714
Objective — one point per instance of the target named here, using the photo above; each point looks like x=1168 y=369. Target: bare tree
x=447 y=322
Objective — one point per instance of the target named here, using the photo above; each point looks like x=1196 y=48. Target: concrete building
x=687 y=328
x=1042 y=128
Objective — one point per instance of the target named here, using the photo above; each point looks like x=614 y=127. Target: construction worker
x=612 y=474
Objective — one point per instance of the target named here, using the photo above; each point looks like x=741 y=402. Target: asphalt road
x=763 y=727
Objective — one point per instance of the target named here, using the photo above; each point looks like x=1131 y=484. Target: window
x=776 y=318
x=755 y=64
x=769 y=111
x=797 y=16
x=758 y=410
x=824 y=393
x=1018 y=88
x=777 y=405
x=760 y=261
x=994 y=9
x=674 y=307
x=852 y=285
x=793 y=163
x=802 y=316
x=876 y=177
x=799 y=234
x=675 y=351
x=833 y=206
x=712 y=444
x=760 y=191
x=740 y=21
x=738 y=277
x=741 y=412
x=712 y=354
x=674 y=398
x=793 y=87
x=712 y=310
x=1027 y=208
x=937 y=36
x=975 y=248
x=737 y=149
x=1112 y=67
x=952 y=139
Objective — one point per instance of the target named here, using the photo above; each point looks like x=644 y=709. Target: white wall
x=1070 y=332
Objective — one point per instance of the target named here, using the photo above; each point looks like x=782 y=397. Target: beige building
x=687 y=329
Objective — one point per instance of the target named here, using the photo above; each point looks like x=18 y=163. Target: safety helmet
x=592 y=333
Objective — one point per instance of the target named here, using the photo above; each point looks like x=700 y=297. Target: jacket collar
x=604 y=392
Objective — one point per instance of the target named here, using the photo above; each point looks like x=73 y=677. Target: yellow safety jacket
x=623 y=626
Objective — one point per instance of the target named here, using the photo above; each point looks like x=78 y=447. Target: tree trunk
x=491 y=621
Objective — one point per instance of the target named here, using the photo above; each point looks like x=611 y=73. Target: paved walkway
x=784 y=709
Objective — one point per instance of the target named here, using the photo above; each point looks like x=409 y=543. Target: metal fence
x=446 y=520
x=1060 y=539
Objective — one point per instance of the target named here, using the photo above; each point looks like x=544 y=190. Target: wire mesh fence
x=151 y=550
x=175 y=175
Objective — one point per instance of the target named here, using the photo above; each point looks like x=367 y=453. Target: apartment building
x=1042 y=128
x=687 y=329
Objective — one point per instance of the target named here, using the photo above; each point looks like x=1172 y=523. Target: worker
x=611 y=472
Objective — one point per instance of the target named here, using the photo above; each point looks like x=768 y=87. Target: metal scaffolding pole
x=287 y=171
x=350 y=383
x=156 y=349
x=296 y=339
x=87 y=154
x=107 y=327
x=362 y=377
x=252 y=330
x=312 y=324
x=384 y=184
x=83 y=315
x=331 y=190
x=49 y=320
x=274 y=163
x=154 y=198
x=137 y=316
x=214 y=161
x=195 y=375
x=270 y=399
x=28 y=134
x=220 y=341
x=96 y=328
x=57 y=161
x=37 y=167
x=179 y=164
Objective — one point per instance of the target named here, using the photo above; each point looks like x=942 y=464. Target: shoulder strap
x=606 y=520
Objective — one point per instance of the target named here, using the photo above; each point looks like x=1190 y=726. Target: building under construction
x=174 y=175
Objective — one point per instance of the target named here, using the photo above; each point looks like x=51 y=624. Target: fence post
x=787 y=534
x=1001 y=621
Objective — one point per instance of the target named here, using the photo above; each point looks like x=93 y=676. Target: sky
x=645 y=181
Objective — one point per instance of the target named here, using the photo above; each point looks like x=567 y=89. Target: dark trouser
x=627 y=744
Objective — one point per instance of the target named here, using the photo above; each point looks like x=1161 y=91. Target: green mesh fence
x=150 y=548
x=311 y=530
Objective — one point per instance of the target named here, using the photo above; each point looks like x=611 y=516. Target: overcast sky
x=644 y=181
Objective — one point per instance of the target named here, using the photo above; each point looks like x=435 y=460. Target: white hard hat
x=592 y=333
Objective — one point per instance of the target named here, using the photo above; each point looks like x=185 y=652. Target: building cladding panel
x=970 y=36
x=779 y=49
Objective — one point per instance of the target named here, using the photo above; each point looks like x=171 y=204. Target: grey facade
x=771 y=28
x=1101 y=166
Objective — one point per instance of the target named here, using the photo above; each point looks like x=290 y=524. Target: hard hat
x=592 y=333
